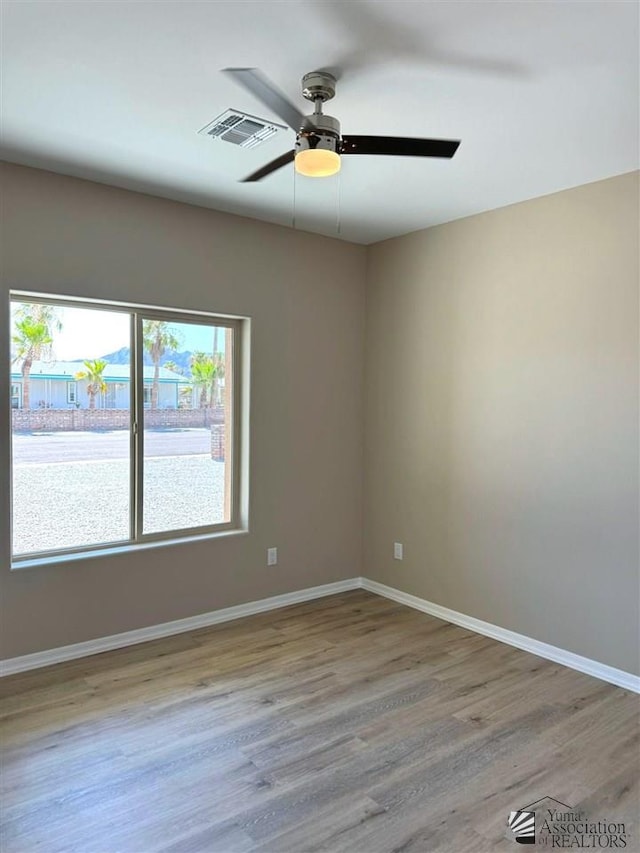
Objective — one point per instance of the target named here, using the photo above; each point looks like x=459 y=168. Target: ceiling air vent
x=241 y=129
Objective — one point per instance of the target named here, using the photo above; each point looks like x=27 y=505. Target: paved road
x=93 y=446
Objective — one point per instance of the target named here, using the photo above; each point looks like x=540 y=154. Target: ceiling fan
x=319 y=144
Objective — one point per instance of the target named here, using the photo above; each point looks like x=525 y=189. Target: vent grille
x=241 y=129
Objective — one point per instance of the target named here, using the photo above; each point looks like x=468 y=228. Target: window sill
x=80 y=556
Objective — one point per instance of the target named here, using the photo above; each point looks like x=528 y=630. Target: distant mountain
x=182 y=360
x=121 y=356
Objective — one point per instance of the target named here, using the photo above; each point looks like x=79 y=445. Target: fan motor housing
x=318 y=86
x=319 y=131
x=321 y=123
x=306 y=141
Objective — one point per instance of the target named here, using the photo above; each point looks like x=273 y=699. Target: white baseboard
x=590 y=667
x=167 y=629
x=141 y=635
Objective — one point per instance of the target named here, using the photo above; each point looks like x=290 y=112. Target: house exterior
x=53 y=385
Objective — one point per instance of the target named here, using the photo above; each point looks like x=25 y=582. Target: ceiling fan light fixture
x=317 y=162
x=317 y=148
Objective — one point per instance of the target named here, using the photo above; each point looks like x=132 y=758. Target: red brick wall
x=217 y=442
x=53 y=420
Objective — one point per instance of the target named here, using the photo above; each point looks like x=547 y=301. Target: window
x=16 y=395
x=116 y=396
x=138 y=440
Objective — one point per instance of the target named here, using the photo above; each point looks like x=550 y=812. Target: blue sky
x=90 y=333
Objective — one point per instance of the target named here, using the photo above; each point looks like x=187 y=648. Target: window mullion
x=132 y=430
x=137 y=425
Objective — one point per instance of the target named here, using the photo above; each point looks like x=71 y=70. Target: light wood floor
x=345 y=724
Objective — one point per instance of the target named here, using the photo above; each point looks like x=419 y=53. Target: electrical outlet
x=272 y=556
x=397 y=551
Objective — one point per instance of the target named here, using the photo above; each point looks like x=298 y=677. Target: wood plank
x=350 y=723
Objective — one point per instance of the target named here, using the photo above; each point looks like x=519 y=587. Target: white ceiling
x=543 y=95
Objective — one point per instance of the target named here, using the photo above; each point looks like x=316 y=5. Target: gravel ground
x=86 y=503
x=182 y=491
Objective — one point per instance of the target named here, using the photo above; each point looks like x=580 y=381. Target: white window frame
x=236 y=501
x=72 y=392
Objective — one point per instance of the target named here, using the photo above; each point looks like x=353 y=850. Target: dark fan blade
x=255 y=82
x=399 y=146
x=278 y=163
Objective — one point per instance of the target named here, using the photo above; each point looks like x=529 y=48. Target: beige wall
x=501 y=409
x=67 y=236
x=502 y=417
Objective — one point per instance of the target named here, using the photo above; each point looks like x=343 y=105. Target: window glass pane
x=71 y=456
x=16 y=395
x=187 y=425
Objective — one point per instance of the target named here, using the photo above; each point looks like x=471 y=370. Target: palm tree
x=217 y=359
x=95 y=379
x=158 y=337
x=173 y=367
x=40 y=312
x=185 y=395
x=203 y=374
x=32 y=340
x=218 y=363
